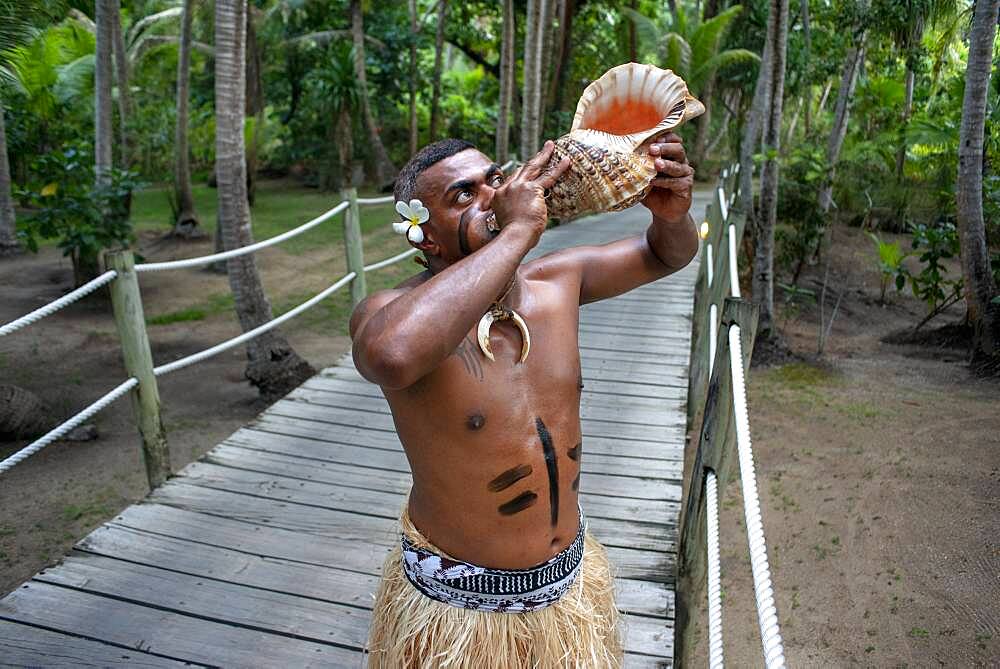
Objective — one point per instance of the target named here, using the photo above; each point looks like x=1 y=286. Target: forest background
x=854 y=115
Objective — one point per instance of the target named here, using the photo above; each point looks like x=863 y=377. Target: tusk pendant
x=486 y=322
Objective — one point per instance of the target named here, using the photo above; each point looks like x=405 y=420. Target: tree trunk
x=565 y=58
x=122 y=79
x=983 y=310
x=186 y=225
x=529 y=120
x=385 y=171
x=751 y=137
x=704 y=123
x=103 y=48
x=848 y=80
x=414 y=29
x=907 y=112
x=507 y=83
x=9 y=244
x=273 y=367
x=538 y=79
x=807 y=35
x=632 y=43
x=763 y=261
x=442 y=17
x=549 y=28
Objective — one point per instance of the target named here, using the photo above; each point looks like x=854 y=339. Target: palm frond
x=140 y=26
x=677 y=54
x=324 y=37
x=708 y=36
x=646 y=30
x=707 y=68
x=74 y=79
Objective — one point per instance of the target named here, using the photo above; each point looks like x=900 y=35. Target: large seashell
x=616 y=118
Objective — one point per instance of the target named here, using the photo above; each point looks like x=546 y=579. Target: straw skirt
x=412 y=631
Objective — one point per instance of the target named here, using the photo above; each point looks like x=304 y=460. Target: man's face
x=458 y=193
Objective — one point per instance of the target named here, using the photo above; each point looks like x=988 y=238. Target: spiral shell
x=607 y=145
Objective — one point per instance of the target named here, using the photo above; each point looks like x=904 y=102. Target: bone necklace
x=498 y=312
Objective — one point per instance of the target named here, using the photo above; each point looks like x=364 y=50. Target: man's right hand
x=520 y=201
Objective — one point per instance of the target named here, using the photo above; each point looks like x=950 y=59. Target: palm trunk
x=122 y=79
x=983 y=311
x=273 y=367
x=8 y=228
x=763 y=261
x=751 y=137
x=848 y=80
x=186 y=224
x=104 y=46
x=907 y=112
x=704 y=123
x=529 y=110
x=506 y=83
x=385 y=171
x=414 y=27
x=442 y=17
x=565 y=57
x=549 y=30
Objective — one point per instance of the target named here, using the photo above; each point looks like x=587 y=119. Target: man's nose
x=488 y=192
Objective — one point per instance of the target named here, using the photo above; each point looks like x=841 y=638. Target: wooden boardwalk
x=266 y=551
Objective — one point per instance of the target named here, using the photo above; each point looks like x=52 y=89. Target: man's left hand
x=670 y=198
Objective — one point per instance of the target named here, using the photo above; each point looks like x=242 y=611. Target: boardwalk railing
x=122 y=275
x=724 y=327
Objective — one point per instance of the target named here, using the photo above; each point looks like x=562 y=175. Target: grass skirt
x=412 y=631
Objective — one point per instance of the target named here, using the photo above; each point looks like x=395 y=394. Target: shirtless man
x=495 y=446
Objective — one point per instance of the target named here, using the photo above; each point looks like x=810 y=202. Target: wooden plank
x=636 y=661
x=649 y=636
x=327 y=581
x=172 y=634
x=28 y=646
x=644 y=598
x=302 y=617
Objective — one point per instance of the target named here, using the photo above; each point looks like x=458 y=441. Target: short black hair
x=406 y=182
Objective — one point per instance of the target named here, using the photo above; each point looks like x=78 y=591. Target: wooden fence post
x=127 y=304
x=353 y=248
x=715 y=451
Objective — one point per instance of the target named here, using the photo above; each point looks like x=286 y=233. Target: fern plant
x=890 y=265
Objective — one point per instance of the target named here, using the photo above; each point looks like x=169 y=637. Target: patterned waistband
x=476 y=588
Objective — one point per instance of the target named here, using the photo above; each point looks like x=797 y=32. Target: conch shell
x=616 y=118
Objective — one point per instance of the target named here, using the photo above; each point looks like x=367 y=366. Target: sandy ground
x=879 y=472
x=57 y=496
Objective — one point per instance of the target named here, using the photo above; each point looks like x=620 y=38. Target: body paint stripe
x=509 y=478
x=463 y=234
x=574 y=453
x=518 y=504
x=552 y=466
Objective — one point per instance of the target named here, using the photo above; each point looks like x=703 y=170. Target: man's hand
x=521 y=199
x=670 y=198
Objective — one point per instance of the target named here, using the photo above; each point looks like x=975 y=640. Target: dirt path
x=879 y=471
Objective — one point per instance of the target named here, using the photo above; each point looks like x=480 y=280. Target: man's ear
x=429 y=245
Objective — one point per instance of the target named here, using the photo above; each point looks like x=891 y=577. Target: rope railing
x=56 y=305
x=725 y=404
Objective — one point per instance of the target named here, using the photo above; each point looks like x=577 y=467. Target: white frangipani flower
x=414 y=213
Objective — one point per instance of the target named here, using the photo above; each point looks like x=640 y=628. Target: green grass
x=279 y=206
x=801 y=375
x=215 y=304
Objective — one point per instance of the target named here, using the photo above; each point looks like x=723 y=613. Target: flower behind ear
x=414 y=214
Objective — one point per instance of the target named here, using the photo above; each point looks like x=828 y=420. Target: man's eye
x=463 y=197
x=497 y=180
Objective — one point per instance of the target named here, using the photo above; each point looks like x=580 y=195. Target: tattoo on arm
x=469 y=353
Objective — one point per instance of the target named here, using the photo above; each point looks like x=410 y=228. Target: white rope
x=734 y=272
x=376 y=200
x=66 y=427
x=56 y=305
x=389 y=261
x=714 y=572
x=243 y=250
x=250 y=334
x=767 y=616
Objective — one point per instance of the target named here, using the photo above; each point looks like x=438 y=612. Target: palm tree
x=385 y=171
x=763 y=262
x=981 y=297
x=186 y=221
x=691 y=47
x=103 y=18
x=414 y=32
x=529 y=103
x=442 y=18
x=272 y=365
x=507 y=82
x=340 y=91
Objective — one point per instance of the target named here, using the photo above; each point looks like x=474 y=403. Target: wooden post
x=353 y=248
x=127 y=303
x=716 y=451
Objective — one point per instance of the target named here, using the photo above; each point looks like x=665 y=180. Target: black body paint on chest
x=552 y=466
x=575 y=452
x=518 y=504
x=509 y=478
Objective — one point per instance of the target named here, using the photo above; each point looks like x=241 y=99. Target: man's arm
x=669 y=244
x=400 y=337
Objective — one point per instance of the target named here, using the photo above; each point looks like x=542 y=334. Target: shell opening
x=622 y=117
